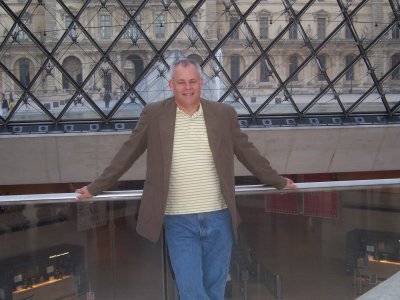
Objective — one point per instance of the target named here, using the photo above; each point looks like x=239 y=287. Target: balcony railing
x=330 y=240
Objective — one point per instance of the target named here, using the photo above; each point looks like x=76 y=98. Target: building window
x=107 y=83
x=347 y=33
x=105 y=27
x=396 y=73
x=22 y=36
x=133 y=67
x=195 y=58
x=235 y=34
x=292 y=30
x=133 y=32
x=396 y=32
x=72 y=31
x=24 y=71
x=253 y=99
x=73 y=67
x=350 y=71
x=321 y=28
x=322 y=61
x=264 y=27
x=159 y=29
x=264 y=72
x=235 y=67
x=192 y=32
x=293 y=64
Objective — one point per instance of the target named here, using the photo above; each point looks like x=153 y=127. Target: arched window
x=73 y=66
x=350 y=71
x=396 y=73
x=24 y=66
x=235 y=67
x=195 y=58
x=133 y=67
x=293 y=64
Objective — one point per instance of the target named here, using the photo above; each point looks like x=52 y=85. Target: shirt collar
x=198 y=113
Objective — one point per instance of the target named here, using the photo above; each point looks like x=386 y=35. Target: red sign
x=320 y=204
x=282 y=203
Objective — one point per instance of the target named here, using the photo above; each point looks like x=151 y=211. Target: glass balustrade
x=325 y=240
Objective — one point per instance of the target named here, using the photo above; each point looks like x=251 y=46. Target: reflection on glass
x=340 y=243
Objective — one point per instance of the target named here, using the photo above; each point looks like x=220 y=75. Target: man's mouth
x=188 y=94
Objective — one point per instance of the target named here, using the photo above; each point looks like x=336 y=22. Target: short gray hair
x=186 y=62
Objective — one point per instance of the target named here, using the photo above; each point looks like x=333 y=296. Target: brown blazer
x=155 y=133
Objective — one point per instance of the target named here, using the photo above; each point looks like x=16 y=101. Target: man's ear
x=170 y=84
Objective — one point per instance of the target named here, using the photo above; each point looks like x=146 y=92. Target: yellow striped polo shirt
x=194 y=183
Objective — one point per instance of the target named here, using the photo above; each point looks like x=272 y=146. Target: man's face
x=186 y=85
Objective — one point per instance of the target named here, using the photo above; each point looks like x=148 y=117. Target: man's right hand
x=83 y=193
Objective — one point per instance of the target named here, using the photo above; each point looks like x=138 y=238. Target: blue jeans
x=200 y=247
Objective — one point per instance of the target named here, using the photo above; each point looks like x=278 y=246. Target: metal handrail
x=240 y=190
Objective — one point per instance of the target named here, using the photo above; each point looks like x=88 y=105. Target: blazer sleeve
x=251 y=158
x=129 y=152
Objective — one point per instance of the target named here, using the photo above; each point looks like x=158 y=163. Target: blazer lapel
x=213 y=127
x=167 y=130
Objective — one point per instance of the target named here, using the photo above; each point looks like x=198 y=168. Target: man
x=189 y=186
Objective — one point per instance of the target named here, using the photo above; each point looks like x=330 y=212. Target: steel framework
x=325 y=94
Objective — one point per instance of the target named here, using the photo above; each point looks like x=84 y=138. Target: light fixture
x=314 y=121
x=243 y=123
x=290 y=122
x=68 y=128
x=119 y=126
x=94 y=127
x=267 y=122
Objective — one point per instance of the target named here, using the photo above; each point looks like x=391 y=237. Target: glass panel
x=154 y=86
x=215 y=82
x=27 y=109
x=327 y=103
x=129 y=107
x=135 y=37
x=391 y=96
x=279 y=104
x=77 y=251
x=338 y=238
x=371 y=103
x=79 y=107
x=339 y=244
